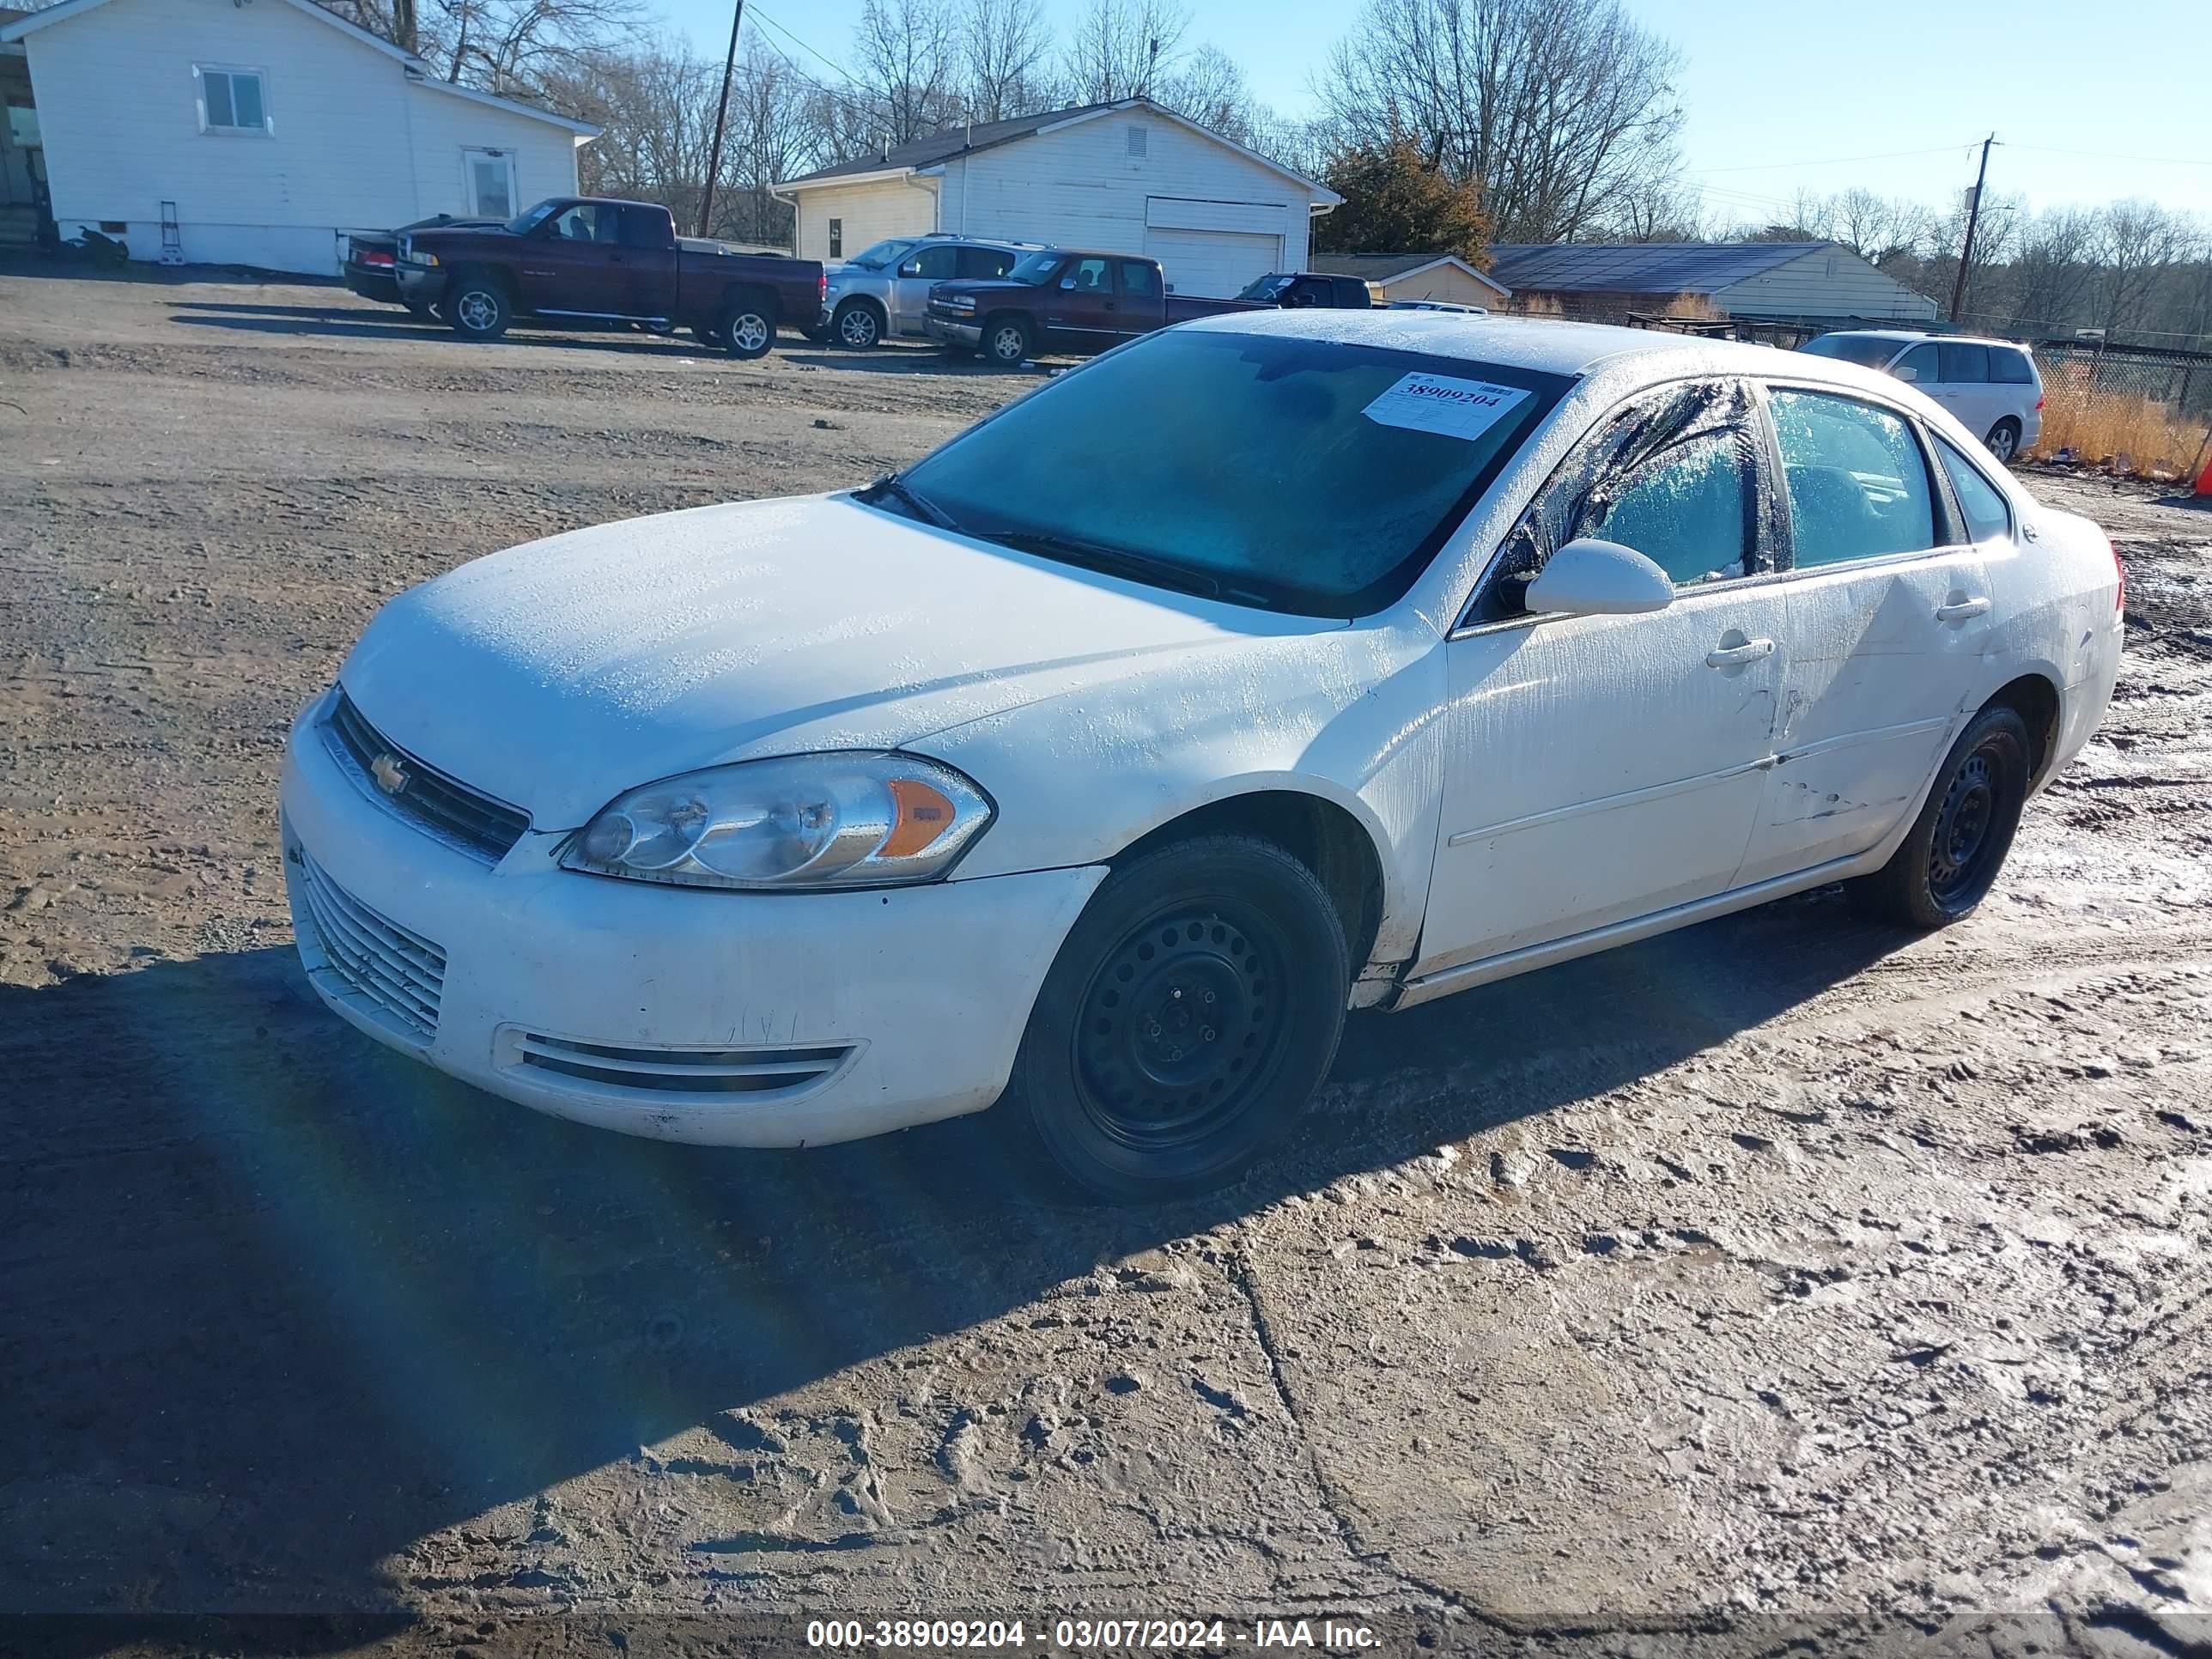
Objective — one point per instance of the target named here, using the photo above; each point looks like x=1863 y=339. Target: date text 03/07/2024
x=1092 y=1635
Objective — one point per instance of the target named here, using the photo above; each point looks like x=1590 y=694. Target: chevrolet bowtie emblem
x=390 y=776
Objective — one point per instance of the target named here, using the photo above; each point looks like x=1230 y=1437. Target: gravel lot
x=1786 y=1275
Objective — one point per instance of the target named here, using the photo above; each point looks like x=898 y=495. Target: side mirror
x=1591 y=578
x=1905 y=371
x=911 y=268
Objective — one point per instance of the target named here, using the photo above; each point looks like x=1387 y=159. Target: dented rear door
x=1887 y=626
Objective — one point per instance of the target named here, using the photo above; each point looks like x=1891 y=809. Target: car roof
x=1538 y=343
x=1916 y=335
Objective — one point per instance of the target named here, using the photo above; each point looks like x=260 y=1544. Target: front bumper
x=952 y=333
x=720 y=1018
x=421 y=284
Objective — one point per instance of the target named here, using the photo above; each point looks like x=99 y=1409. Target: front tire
x=2003 y=440
x=478 y=307
x=1191 y=1013
x=1957 y=846
x=856 y=326
x=747 y=329
x=1006 y=342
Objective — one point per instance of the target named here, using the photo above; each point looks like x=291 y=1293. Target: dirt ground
x=1784 y=1281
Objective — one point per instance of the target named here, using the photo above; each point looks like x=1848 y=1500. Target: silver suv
x=884 y=289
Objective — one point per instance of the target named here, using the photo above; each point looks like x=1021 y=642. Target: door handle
x=1959 y=610
x=1735 y=656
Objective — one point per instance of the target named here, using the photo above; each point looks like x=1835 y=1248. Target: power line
x=1835 y=161
x=2115 y=156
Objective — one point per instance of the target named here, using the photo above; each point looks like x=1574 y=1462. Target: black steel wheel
x=1951 y=857
x=1190 y=1015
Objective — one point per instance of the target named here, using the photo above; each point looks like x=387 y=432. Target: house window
x=232 y=100
x=837 y=239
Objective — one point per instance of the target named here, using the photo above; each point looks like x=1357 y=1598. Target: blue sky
x=2088 y=104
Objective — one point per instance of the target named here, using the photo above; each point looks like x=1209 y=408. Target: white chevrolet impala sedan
x=1268 y=667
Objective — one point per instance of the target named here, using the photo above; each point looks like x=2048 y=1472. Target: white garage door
x=1212 y=263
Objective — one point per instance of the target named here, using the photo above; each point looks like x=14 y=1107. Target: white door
x=1600 y=769
x=491 y=177
x=1889 y=616
x=1213 y=264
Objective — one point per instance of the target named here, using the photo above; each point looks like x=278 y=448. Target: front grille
x=397 y=972
x=760 y=1073
x=463 y=818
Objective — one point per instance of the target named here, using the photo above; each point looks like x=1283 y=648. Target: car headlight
x=416 y=256
x=804 y=822
x=964 y=302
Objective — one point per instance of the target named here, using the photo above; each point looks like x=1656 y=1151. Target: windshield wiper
x=905 y=494
x=1113 y=560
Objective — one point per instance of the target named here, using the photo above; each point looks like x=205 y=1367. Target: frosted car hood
x=557 y=674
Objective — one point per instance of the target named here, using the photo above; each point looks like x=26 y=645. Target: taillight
x=2119 y=578
x=822 y=292
x=2039 y=402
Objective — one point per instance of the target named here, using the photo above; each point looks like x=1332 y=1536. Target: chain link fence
x=2138 y=409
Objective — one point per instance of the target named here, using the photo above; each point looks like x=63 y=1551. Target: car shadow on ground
x=275 y=1303
x=348 y=323
x=903 y=359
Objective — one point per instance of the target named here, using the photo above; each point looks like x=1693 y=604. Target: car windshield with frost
x=1314 y=476
x=1036 y=269
x=877 y=255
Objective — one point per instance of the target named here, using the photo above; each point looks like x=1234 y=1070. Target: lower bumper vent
x=390 y=972
x=756 y=1074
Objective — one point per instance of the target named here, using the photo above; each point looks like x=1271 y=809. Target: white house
x=1127 y=177
x=271 y=125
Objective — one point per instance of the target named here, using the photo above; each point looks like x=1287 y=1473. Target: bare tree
x=2136 y=242
x=1878 y=229
x=908 y=62
x=511 y=46
x=1006 y=50
x=1209 y=87
x=1122 y=49
x=1558 y=112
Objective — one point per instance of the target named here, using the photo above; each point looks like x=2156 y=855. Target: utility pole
x=722 y=115
x=1973 y=222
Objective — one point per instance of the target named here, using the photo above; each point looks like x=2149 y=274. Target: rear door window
x=643 y=228
x=984 y=261
x=1962 y=364
x=1857 y=480
x=1139 y=280
x=2009 y=366
x=1979 y=501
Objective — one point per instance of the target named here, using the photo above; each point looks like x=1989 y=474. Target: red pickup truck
x=1062 y=300
x=588 y=260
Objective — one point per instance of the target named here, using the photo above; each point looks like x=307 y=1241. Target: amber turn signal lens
x=924 y=814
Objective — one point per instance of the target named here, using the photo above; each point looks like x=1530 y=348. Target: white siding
x=353 y=144
x=1826 y=283
x=1081 y=187
x=869 y=212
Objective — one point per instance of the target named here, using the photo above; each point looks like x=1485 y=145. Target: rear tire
x=1191 y=1013
x=1006 y=342
x=478 y=307
x=2003 y=440
x=707 y=338
x=1957 y=846
x=747 y=329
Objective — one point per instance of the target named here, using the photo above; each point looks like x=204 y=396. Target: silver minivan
x=884 y=290
x=1991 y=387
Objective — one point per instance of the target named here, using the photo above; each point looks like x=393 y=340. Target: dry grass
x=2133 y=434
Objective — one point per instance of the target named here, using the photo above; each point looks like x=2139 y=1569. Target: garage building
x=1127 y=177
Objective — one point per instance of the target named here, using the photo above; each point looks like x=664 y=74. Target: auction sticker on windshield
x=1443 y=404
